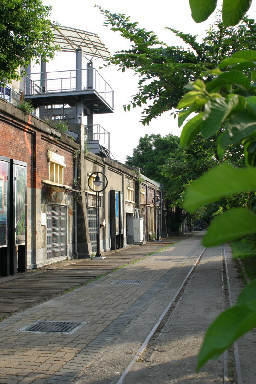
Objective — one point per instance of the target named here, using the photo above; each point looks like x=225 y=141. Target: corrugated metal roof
x=71 y=39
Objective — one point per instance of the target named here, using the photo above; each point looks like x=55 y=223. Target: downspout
x=75 y=210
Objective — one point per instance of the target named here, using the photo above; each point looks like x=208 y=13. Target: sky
x=125 y=127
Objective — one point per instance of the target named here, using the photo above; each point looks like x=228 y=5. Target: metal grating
x=56 y=230
x=127 y=282
x=92 y=222
x=65 y=327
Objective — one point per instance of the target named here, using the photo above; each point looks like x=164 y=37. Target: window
x=56 y=167
x=151 y=220
x=91 y=200
x=5 y=93
x=131 y=194
x=56 y=173
x=91 y=182
x=142 y=196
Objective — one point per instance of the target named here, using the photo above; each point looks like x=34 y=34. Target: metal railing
x=66 y=81
x=97 y=132
x=8 y=94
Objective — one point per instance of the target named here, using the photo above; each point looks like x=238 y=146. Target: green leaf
x=197 y=85
x=182 y=116
x=230 y=225
x=231 y=61
x=231 y=77
x=226 y=328
x=197 y=105
x=246 y=54
x=190 y=130
x=241 y=125
x=234 y=10
x=214 y=114
x=251 y=104
x=235 y=103
x=221 y=181
x=250 y=151
x=253 y=74
x=202 y=9
x=190 y=98
x=233 y=136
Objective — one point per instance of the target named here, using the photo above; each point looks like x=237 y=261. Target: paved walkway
x=24 y=290
x=114 y=315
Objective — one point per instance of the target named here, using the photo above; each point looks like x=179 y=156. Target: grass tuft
x=245 y=251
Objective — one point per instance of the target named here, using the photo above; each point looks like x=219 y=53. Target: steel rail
x=157 y=325
x=235 y=345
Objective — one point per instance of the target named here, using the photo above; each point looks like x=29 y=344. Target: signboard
x=117 y=211
x=121 y=217
x=20 y=173
x=4 y=170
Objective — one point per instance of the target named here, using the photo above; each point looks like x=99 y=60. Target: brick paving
x=106 y=306
x=24 y=290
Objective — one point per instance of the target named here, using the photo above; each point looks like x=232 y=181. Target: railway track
x=231 y=361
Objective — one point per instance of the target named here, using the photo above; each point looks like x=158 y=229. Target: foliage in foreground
x=232 y=11
x=239 y=126
x=25 y=34
x=229 y=112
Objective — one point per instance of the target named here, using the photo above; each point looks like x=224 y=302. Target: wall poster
x=4 y=170
x=121 y=221
x=20 y=203
x=117 y=212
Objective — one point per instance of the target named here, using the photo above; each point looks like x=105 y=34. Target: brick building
x=42 y=218
x=50 y=208
x=37 y=175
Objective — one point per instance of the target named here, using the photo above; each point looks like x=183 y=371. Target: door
x=92 y=223
x=56 y=230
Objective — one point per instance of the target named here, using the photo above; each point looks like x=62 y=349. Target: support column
x=33 y=219
x=43 y=77
x=84 y=247
x=90 y=127
x=79 y=82
x=27 y=80
x=43 y=85
x=90 y=84
x=79 y=66
x=105 y=209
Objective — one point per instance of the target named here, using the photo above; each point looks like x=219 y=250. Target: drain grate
x=66 y=327
x=127 y=282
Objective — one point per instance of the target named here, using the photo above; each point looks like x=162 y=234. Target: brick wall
x=27 y=139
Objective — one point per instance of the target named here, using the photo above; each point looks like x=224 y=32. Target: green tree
x=25 y=34
x=151 y=153
x=163 y=70
x=164 y=160
x=185 y=165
